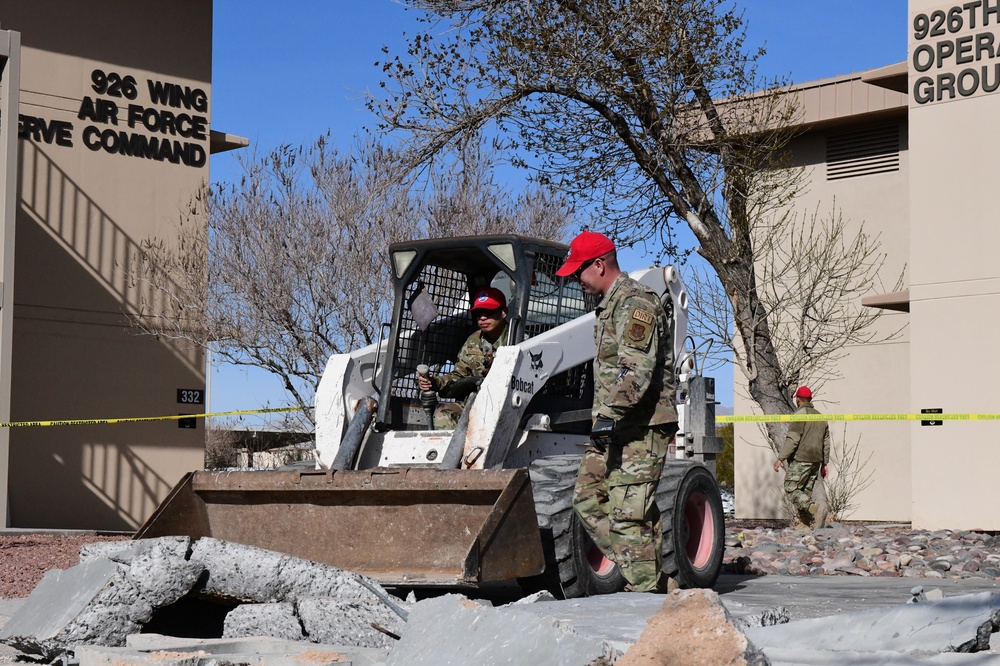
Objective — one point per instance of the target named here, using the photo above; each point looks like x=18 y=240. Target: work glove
x=600 y=433
x=460 y=389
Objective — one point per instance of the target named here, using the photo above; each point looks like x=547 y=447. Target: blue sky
x=284 y=73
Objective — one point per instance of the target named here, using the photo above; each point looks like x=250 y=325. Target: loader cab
x=433 y=281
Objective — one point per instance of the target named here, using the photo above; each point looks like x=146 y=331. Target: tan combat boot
x=666 y=585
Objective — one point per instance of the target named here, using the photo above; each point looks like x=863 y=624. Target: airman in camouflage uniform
x=634 y=415
x=806 y=452
x=489 y=310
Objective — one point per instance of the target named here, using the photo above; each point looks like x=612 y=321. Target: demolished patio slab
x=125 y=588
x=100 y=601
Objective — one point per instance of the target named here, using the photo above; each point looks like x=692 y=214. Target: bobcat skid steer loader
x=394 y=499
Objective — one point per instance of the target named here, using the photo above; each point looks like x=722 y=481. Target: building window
x=862 y=152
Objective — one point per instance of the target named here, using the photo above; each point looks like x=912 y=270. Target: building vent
x=862 y=152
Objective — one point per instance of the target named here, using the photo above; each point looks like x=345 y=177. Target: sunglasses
x=584 y=266
x=490 y=314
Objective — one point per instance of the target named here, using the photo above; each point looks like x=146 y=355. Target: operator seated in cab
x=489 y=311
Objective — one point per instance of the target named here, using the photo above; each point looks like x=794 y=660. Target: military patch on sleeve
x=639 y=329
x=642 y=315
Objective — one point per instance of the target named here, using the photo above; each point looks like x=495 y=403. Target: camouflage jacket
x=633 y=366
x=474 y=358
x=807 y=441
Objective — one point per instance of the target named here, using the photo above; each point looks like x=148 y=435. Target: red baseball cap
x=588 y=245
x=488 y=299
x=804 y=393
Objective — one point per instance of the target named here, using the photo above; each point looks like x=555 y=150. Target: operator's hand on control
x=823 y=471
x=777 y=465
x=425 y=383
x=600 y=433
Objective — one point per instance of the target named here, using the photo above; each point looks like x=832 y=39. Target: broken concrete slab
x=356 y=622
x=329 y=621
x=454 y=630
x=692 y=627
x=124 y=551
x=822 y=596
x=161 y=572
x=535 y=598
x=954 y=624
x=333 y=605
x=802 y=657
x=247 y=573
x=91 y=603
x=159 y=567
x=276 y=620
x=589 y=615
x=158 y=650
x=765 y=618
x=102 y=601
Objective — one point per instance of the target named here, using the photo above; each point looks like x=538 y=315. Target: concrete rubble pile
x=275 y=610
x=119 y=588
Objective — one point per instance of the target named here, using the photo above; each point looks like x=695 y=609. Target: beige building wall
x=873 y=377
x=85 y=209
x=954 y=273
x=935 y=215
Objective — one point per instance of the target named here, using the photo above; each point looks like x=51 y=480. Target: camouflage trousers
x=615 y=498
x=800 y=477
x=447 y=414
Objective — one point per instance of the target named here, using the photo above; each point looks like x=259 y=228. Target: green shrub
x=724 y=463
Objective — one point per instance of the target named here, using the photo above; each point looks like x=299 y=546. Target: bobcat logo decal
x=536 y=361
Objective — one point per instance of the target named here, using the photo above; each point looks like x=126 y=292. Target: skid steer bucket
x=400 y=526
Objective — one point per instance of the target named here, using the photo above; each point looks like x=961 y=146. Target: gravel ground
x=862 y=550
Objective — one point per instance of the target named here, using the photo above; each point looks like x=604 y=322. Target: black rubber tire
x=595 y=573
x=569 y=572
x=690 y=512
x=693 y=523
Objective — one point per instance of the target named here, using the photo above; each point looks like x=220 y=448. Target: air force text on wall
x=170 y=128
x=955 y=52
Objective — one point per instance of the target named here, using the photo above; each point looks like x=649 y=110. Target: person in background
x=634 y=416
x=805 y=453
x=489 y=311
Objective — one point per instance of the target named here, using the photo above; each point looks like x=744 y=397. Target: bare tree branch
x=292 y=266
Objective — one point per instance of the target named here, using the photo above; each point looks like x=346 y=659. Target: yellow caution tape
x=790 y=418
x=730 y=418
x=140 y=419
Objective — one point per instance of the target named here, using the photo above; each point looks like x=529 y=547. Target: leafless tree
x=650 y=112
x=221 y=446
x=811 y=272
x=291 y=266
x=851 y=476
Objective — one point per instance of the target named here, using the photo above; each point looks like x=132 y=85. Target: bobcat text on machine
x=408 y=505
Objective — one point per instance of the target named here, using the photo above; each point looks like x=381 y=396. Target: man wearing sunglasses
x=489 y=311
x=634 y=414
